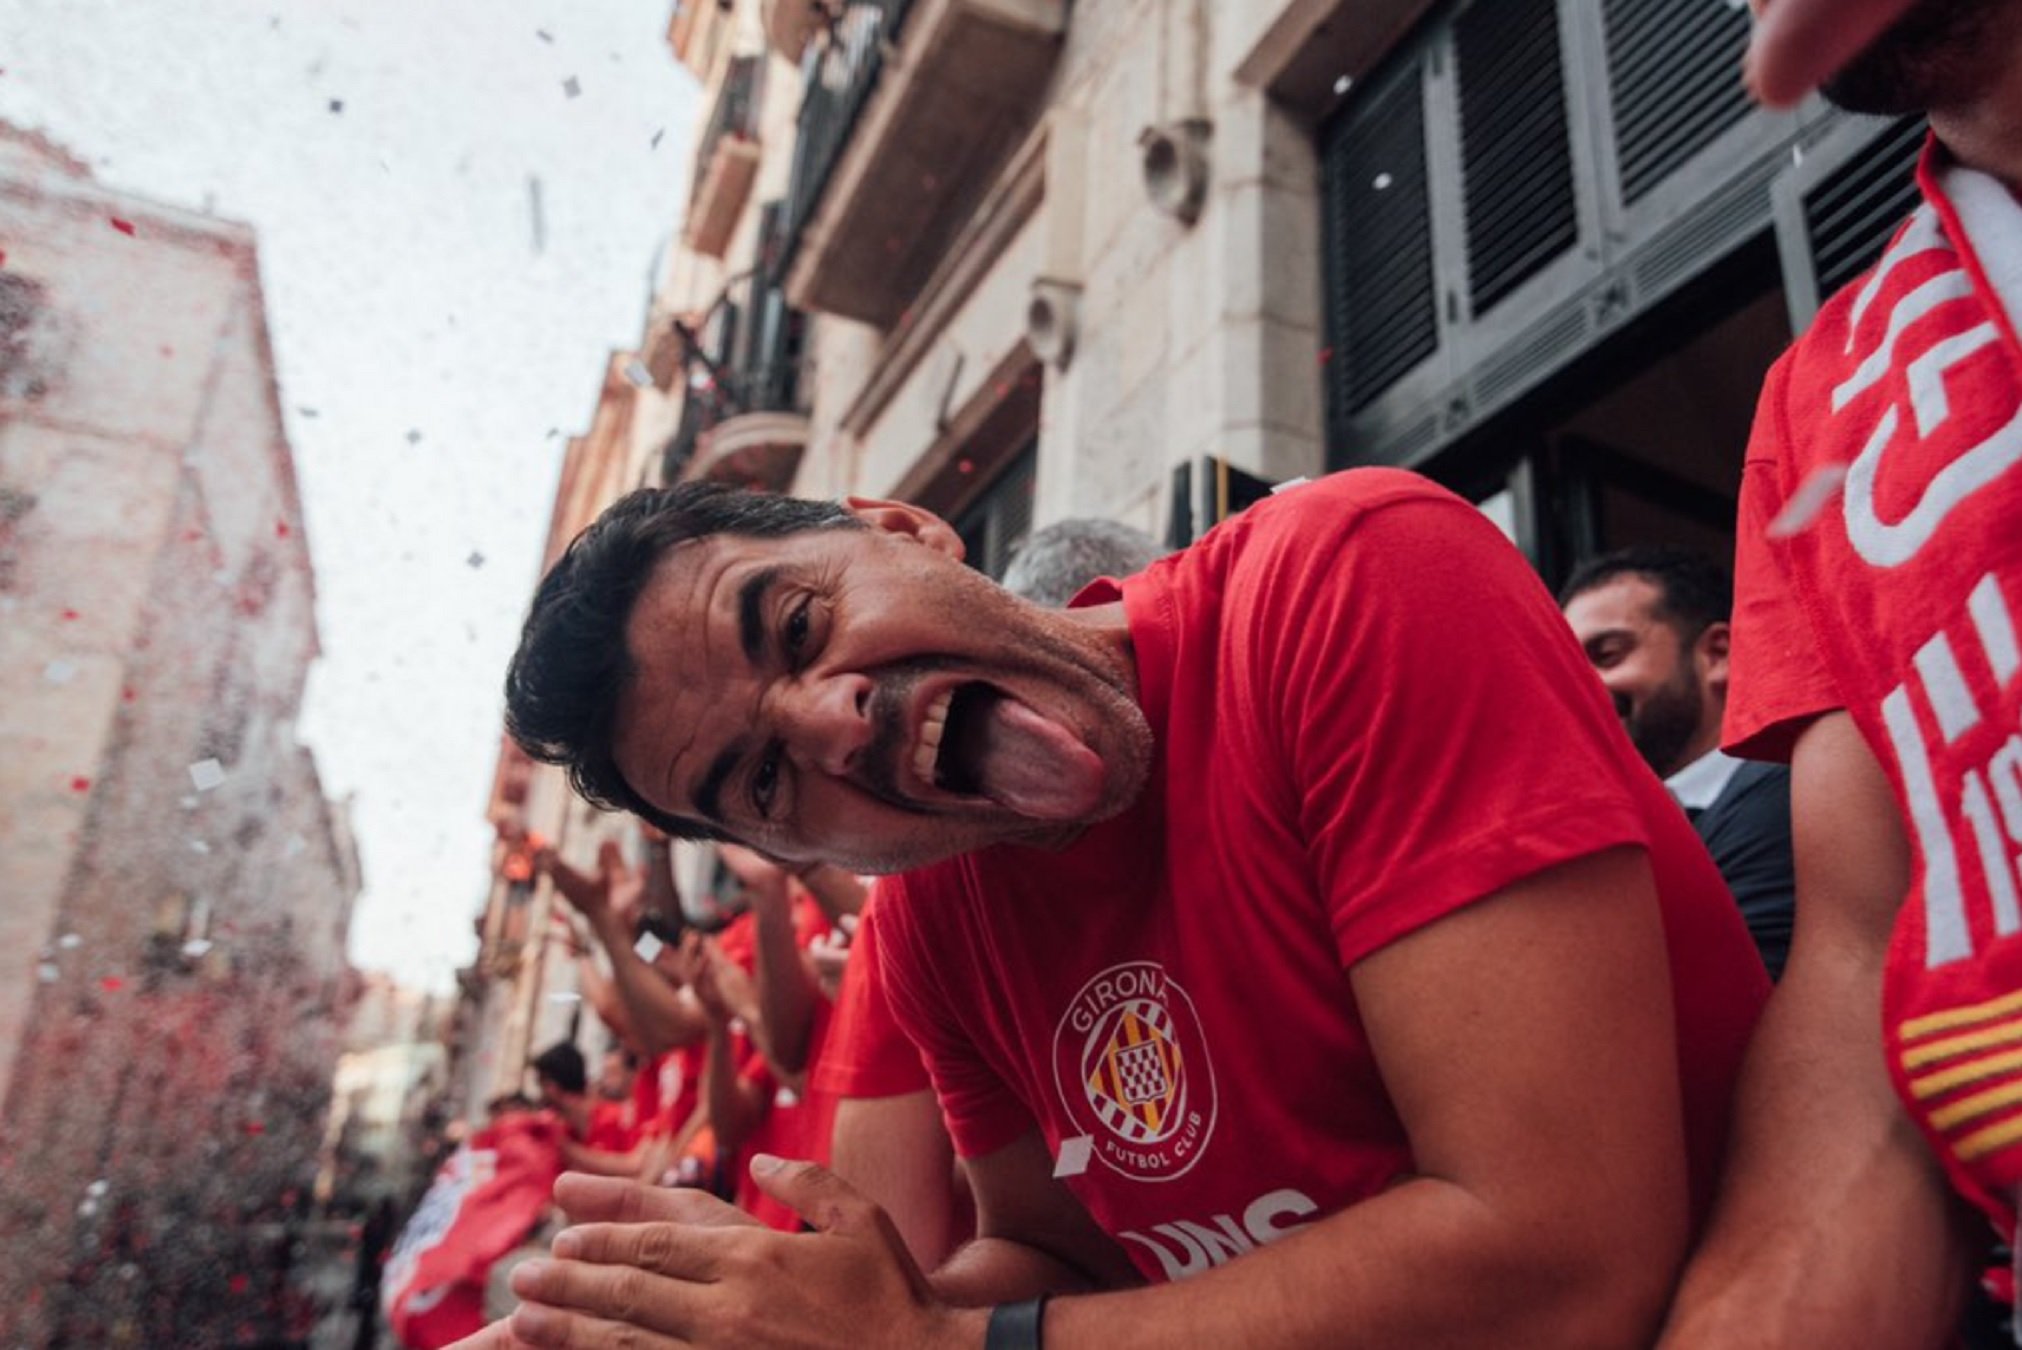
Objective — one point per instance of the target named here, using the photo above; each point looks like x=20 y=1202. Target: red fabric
x=868 y=1054
x=680 y=1087
x=483 y=1203
x=646 y=1092
x=612 y=1127
x=1370 y=714
x=793 y=1126
x=1900 y=603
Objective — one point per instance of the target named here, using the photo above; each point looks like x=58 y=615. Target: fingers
x=681 y=1251
x=569 y=1329
x=816 y=1194
x=588 y=1199
x=1799 y=44
x=631 y=1294
x=497 y=1336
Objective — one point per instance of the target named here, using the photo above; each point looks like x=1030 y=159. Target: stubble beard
x=1937 y=55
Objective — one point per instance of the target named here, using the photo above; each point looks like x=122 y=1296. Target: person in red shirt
x=1292 y=914
x=1878 y=589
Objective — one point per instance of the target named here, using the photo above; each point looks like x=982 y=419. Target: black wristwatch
x=1016 y=1326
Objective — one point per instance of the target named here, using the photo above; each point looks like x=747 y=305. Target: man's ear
x=909 y=522
x=1709 y=653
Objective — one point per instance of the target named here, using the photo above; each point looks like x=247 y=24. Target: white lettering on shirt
x=1185 y=1247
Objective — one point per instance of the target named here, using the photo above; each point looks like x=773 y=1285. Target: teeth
x=932 y=727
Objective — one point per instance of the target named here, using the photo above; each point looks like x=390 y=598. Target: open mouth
x=949 y=753
x=979 y=742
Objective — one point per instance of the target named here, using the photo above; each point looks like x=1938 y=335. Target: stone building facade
x=178 y=889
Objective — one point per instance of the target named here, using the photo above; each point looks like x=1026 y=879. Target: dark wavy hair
x=572 y=666
x=1693 y=591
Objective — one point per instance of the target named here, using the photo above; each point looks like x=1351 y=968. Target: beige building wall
x=1190 y=339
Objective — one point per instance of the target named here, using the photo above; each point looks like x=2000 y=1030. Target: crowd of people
x=1293 y=942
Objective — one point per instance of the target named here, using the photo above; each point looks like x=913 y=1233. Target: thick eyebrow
x=709 y=792
x=751 y=617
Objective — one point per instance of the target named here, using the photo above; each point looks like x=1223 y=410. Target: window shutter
x=1516 y=157
x=1382 y=312
x=1854 y=211
x=1672 y=66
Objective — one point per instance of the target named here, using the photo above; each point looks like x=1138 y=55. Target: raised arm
x=1834 y=1225
x=662 y=1016
x=786 y=988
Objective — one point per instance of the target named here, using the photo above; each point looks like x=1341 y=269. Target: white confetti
x=647 y=947
x=571 y=88
x=188 y=803
x=1074 y=1156
x=637 y=374
x=70 y=942
x=98 y=1188
x=474 y=561
x=47 y=972
x=207 y=774
x=196 y=949
x=199 y=846
x=88 y=1209
x=1813 y=495
x=59 y=672
x=565 y=996
x=1289 y=484
x=786 y=1098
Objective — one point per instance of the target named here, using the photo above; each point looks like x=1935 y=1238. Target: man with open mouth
x=1294 y=916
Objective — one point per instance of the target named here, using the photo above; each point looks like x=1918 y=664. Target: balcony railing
x=844 y=71
x=743 y=363
x=727 y=160
x=894 y=152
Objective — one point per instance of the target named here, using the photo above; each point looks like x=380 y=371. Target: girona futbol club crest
x=1132 y=1068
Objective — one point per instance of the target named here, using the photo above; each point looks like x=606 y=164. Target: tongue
x=1034 y=765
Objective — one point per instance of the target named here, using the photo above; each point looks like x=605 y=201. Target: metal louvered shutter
x=1851 y=215
x=1672 y=67
x=1516 y=157
x=1382 y=314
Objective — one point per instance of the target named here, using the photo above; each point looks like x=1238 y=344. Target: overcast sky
x=383 y=150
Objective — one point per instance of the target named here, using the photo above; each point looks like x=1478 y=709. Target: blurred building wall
x=168 y=1032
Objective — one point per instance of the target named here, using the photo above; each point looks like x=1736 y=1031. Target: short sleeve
x=868 y=1054
x=982 y=1112
x=1776 y=682
x=1446 y=736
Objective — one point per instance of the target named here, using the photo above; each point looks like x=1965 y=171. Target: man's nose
x=827 y=722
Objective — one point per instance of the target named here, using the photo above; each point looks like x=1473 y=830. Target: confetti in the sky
x=59 y=672
x=544 y=35
x=47 y=972
x=69 y=615
x=197 y=948
x=306 y=412
x=655 y=145
x=647 y=947
x=1074 y=1156
x=280 y=529
x=474 y=561
x=112 y=984
x=80 y=784
x=1813 y=495
x=125 y=227
x=336 y=105
x=207 y=774
x=199 y=846
x=637 y=374
x=413 y=437
x=571 y=88
x=565 y=996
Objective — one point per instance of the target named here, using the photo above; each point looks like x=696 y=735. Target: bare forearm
x=990 y=1271
x=723 y=1091
x=661 y=1018
x=603 y=1162
x=1426 y=1264
x=662 y=896
x=604 y=999
x=786 y=990
x=1835 y=1226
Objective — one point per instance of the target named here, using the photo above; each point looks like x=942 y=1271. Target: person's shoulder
x=1346 y=495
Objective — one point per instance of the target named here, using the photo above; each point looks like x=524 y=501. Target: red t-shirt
x=1897 y=600
x=793 y=1127
x=1369 y=714
x=612 y=1126
x=867 y=1054
x=646 y=1091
